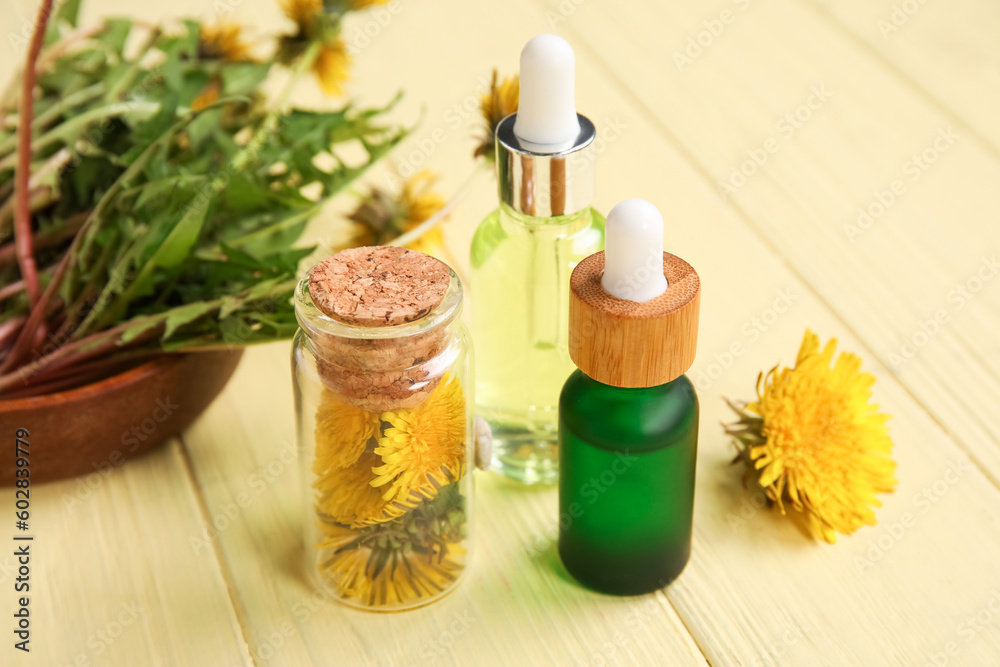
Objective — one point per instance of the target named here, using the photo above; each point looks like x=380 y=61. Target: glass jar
x=386 y=436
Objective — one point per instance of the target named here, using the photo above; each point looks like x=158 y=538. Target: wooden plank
x=113 y=579
x=949 y=50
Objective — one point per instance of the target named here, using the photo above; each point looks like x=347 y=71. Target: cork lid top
x=378 y=286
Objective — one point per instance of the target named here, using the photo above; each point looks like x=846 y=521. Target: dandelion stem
x=22 y=209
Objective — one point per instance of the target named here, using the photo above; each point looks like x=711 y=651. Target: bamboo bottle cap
x=630 y=344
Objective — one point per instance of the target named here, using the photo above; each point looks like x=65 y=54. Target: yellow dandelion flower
x=223 y=41
x=332 y=66
x=381 y=217
x=419 y=201
x=496 y=104
x=342 y=433
x=304 y=13
x=346 y=495
x=209 y=95
x=424 y=448
x=814 y=440
x=374 y=576
x=332 y=63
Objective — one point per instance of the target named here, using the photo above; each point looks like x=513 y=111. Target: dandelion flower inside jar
x=381 y=367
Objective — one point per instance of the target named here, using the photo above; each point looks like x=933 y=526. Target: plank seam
x=227 y=578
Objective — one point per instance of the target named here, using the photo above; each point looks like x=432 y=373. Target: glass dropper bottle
x=628 y=418
x=522 y=256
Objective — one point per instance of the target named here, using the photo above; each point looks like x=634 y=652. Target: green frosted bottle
x=628 y=419
x=626 y=490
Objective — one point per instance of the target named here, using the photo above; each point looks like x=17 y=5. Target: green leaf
x=143 y=325
x=172 y=251
x=181 y=225
x=244 y=194
x=178 y=317
x=115 y=34
x=189 y=40
x=203 y=127
x=243 y=78
x=69 y=12
x=91 y=178
x=263 y=289
x=157 y=191
x=230 y=304
x=148 y=131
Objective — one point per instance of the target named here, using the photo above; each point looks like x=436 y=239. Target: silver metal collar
x=541 y=184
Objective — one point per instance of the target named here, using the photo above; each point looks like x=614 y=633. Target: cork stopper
x=631 y=344
x=380 y=287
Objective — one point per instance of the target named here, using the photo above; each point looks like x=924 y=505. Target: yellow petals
x=424 y=448
x=380 y=216
x=497 y=103
x=332 y=67
x=223 y=41
x=315 y=27
x=342 y=432
x=816 y=441
x=209 y=96
x=302 y=12
x=346 y=496
x=379 y=578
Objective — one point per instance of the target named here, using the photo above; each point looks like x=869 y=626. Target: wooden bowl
x=101 y=425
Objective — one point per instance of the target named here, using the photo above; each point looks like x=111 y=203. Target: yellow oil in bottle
x=520 y=313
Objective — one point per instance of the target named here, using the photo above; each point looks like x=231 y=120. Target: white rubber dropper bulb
x=633 y=252
x=546 y=112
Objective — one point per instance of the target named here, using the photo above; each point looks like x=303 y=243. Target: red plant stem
x=36 y=318
x=85 y=348
x=22 y=209
x=96 y=365
x=17 y=287
x=78 y=375
x=45 y=388
x=50 y=238
x=68 y=381
x=11 y=290
x=9 y=330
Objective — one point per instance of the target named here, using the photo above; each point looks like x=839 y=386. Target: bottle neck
x=515 y=222
x=682 y=382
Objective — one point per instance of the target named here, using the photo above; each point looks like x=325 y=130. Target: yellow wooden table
x=832 y=164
